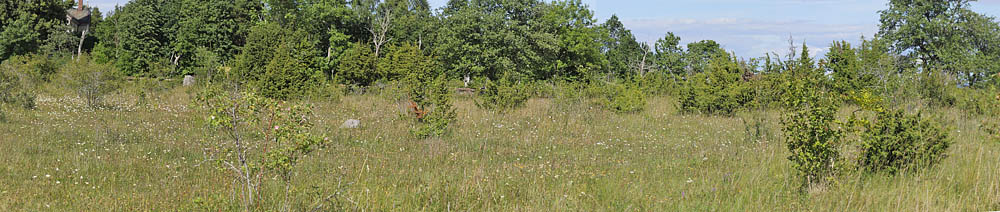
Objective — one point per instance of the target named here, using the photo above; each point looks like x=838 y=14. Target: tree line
x=360 y=42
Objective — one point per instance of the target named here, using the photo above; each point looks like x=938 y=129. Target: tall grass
x=543 y=157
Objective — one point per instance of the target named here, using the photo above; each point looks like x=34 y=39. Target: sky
x=749 y=28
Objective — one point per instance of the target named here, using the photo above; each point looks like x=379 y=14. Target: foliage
x=895 y=141
x=505 y=94
x=669 y=55
x=812 y=137
x=719 y=90
x=700 y=54
x=945 y=35
x=357 y=66
x=13 y=90
x=490 y=38
x=844 y=64
x=92 y=82
x=437 y=120
x=25 y=25
x=35 y=68
x=579 y=52
x=278 y=61
x=627 y=97
x=620 y=47
x=935 y=87
x=260 y=137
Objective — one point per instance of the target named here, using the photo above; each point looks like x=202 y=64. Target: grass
x=543 y=157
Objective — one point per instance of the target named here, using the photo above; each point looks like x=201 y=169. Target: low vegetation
x=484 y=105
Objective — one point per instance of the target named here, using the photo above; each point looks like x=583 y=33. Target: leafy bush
x=625 y=97
x=720 y=90
x=978 y=102
x=92 y=81
x=935 y=87
x=895 y=141
x=435 y=122
x=259 y=137
x=812 y=137
x=13 y=90
x=278 y=62
x=35 y=68
x=502 y=95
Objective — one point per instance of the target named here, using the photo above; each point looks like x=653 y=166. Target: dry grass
x=63 y=156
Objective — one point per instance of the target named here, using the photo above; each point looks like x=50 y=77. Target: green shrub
x=503 y=95
x=244 y=121
x=720 y=90
x=278 y=62
x=627 y=97
x=937 y=89
x=978 y=102
x=92 y=81
x=13 y=90
x=992 y=130
x=36 y=68
x=813 y=138
x=895 y=141
x=435 y=122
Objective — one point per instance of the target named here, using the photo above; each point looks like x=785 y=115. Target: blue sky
x=750 y=28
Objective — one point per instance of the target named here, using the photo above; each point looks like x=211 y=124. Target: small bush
x=503 y=95
x=720 y=90
x=813 y=139
x=34 y=68
x=92 y=81
x=13 y=90
x=895 y=141
x=244 y=122
x=992 y=130
x=978 y=102
x=625 y=97
x=937 y=89
x=436 y=122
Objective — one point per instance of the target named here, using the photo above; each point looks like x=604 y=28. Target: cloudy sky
x=750 y=28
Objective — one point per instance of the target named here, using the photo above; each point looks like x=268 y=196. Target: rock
x=188 y=80
x=351 y=124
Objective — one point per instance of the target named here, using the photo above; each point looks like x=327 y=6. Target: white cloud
x=751 y=38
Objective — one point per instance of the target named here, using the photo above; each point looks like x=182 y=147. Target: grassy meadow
x=147 y=153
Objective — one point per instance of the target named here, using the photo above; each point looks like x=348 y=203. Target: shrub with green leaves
x=13 y=90
x=503 y=95
x=256 y=137
x=35 y=68
x=895 y=141
x=91 y=81
x=435 y=122
x=720 y=90
x=937 y=89
x=813 y=137
x=626 y=97
x=278 y=62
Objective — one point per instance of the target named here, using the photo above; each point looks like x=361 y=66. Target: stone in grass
x=351 y=124
x=188 y=80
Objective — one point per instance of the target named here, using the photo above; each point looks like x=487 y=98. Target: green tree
x=216 y=26
x=26 y=24
x=843 y=62
x=620 y=47
x=942 y=34
x=669 y=55
x=281 y=62
x=579 y=51
x=700 y=54
x=485 y=38
x=138 y=38
x=719 y=90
